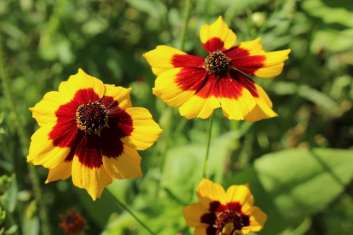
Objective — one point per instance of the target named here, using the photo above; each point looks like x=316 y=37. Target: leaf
x=293 y=184
x=183 y=166
x=317 y=97
x=328 y=14
x=12 y=195
x=30 y=220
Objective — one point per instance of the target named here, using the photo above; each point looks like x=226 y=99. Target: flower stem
x=23 y=138
x=124 y=207
x=186 y=22
x=209 y=132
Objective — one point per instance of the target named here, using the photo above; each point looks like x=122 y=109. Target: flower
x=200 y=85
x=72 y=222
x=220 y=212
x=89 y=130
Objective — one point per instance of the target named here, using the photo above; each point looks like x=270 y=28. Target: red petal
x=245 y=81
x=243 y=61
x=187 y=61
x=89 y=148
x=213 y=44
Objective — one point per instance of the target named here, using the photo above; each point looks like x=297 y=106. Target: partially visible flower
x=200 y=85
x=226 y=213
x=91 y=131
x=72 y=222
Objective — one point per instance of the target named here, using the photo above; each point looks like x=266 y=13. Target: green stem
x=187 y=13
x=124 y=207
x=209 y=132
x=43 y=215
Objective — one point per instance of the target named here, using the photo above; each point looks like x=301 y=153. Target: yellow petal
x=160 y=59
x=254 y=47
x=257 y=219
x=126 y=165
x=201 y=230
x=193 y=213
x=145 y=130
x=120 y=94
x=240 y=194
x=219 y=30
x=273 y=64
x=79 y=81
x=237 y=109
x=199 y=107
x=60 y=172
x=93 y=179
x=42 y=151
x=170 y=91
x=263 y=108
x=44 y=111
x=208 y=192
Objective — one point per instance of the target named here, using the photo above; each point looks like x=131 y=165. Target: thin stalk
x=125 y=208
x=187 y=13
x=43 y=215
x=209 y=132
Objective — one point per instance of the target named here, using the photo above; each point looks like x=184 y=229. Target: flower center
x=231 y=217
x=217 y=63
x=91 y=117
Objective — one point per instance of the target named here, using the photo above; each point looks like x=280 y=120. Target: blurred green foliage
x=306 y=189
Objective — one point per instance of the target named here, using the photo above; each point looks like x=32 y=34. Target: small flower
x=89 y=130
x=226 y=213
x=72 y=222
x=200 y=85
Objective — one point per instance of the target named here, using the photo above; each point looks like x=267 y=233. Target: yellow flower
x=220 y=212
x=200 y=85
x=91 y=131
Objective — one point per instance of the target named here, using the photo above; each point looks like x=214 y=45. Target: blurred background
x=299 y=165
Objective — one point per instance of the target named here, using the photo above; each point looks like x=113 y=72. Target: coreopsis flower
x=226 y=213
x=91 y=131
x=200 y=85
x=72 y=222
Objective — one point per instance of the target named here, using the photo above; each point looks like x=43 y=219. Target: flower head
x=72 y=222
x=226 y=213
x=200 y=85
x=91 y=131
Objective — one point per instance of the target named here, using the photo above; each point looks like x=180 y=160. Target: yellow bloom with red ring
x=226 y=213
x=90 y=131
x=198 y=86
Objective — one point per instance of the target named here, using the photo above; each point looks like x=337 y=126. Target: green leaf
x=30 y=220
x=328 y=14
x=184 y=165
x=12 y=195
x=317 y=97
x=2 y=215
x=293 y=184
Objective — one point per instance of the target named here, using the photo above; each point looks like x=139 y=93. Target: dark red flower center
x=91 y=117
x=72 y=222
x=230 y=217
x=217 y=63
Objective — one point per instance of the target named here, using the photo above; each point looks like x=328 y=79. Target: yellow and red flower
x=91 y=131
x=72 y=222
x=200 y=85
x=226 y=213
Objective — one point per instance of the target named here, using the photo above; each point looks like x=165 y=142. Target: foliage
x=298 y=165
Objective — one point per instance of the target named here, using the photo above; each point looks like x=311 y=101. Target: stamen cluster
x=91 y=117
x=229 y=217
x=217 y=63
